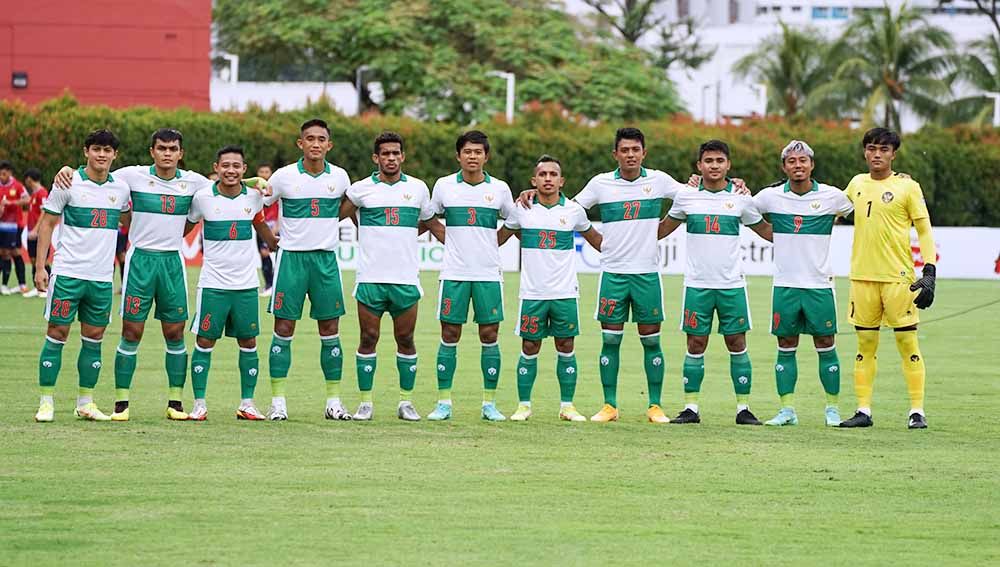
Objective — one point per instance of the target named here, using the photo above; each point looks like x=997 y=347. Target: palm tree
x=791 y=65
x=980 y=73
x=887 y=61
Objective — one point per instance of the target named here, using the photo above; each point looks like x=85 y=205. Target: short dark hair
x=546 y=158
x=630 y=134
x=881 y=136
x=473 y=137
x=102 y=137
x=33 y=173
x=315 y=122
x=387 y=137
x=265 y=164
x=4 y=164
x=230 y=149
x=167 y=135
x=713 y=146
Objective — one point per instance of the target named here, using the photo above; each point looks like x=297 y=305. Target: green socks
x=331 y=360
x=279 y=359
x=176 y=362
x=566 y=373
x=786 y=372
x=201 y=362
x=527 y=371
x=125 y=360
x=652 y=362
x=609 y=361
x=446 y=361
x=406 y=365
x=249 y=363
x=49 y=363
x=694 y=372
x=741 y=372
x=88 y=364
x=366 y=374
x=829 y=371
x=489 y=361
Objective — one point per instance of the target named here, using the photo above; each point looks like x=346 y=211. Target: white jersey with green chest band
x=230 y=250
x=88 y=234
x=630 y=215
x=713 y=219
x=548 y=252
x=310 y=206
x=388 y=219
x=803 y=225
x=159 y=206
x=471 y=214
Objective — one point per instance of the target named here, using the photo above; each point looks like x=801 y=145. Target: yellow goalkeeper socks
x=913 y=368
x=865 y=367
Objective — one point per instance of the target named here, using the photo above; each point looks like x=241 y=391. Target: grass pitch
x=309 y=491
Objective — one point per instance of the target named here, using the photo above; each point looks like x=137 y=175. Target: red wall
x=113 y=52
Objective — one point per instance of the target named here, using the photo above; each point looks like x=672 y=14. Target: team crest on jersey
x=887 y=197
x=331 y=188
x=184 y=185
x=647 y=189
x=407 y=196
x=815 y=205
x=246 y=210
x=152 y=183
x=562 y=221
x=112 y=198
x=217 y=211
x=729 y=205
x=488 y=197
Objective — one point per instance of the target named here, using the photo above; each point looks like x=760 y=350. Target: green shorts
x=619 y=293
x=541 y=318
x=381 y=297
x=313 y=273
x=234 y=311
x=454 y=297
x=68 y=295
x=701 y=303
x=154 y=275
x=796 y=310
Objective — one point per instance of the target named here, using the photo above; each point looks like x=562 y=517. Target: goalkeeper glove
x=925 y=284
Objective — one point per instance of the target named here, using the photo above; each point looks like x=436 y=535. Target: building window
x=796 y=9
x=820 y=12
x=734 y=11
x=776 y=10
x=761 y=10
x=683 y=8
x=839 y=13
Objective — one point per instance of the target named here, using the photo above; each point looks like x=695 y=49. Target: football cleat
x=249 y=413
x=746 y=417
x=407 y=412
x=860 y=419
x=491 y=413
x=687 y=416
x=175 y=414
x=91 y=413
x=569 y=413
x=277 y=414
x=654 y=414
x=522 y=414
x=365 y=412
x=45 y=413
x=917 y=421
x=337 y=412
x=786 y=416
x=120 y=415
x=199 y=413
x=832 y=416
x=608 y=413
x=441 y=412
x=32 y=293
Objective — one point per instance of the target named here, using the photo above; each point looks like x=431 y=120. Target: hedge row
x=956 y=167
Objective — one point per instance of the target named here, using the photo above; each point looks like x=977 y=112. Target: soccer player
x=264 y=172
x=549 y=289
x=309 y=192
x=390 y=207
x=13 y=198
x=802 y=212
x=33 y=183
x=713 y=277
x=471 y=202
x=882 y=278
x=82 y=270
x=227 y=287
x=154 y=267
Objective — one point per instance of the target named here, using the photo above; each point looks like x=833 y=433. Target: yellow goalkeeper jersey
x=884 y=211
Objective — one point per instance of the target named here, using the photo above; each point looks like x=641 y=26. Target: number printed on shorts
x=607 y=307
x=392 y=216
x=168 y=204
x=712 y=224
x=206 y=322
x=445 y=306
x=631 y=209
x=777 y=320
x=132 y=304
x=690 y=319
x=279 y=300
x=546 y=239
x=529 y=324
x=61 y=307
x=98 y=218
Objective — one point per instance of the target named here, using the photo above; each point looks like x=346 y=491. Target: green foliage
x=952 y=165
x=432 y=58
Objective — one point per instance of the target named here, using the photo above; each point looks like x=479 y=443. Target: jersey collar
x=376 y=180
x=788 y=186
x=302 y=167
x=728 y=189
x=562 y=201
x=486 y=178
x=177 y=173
x=618 y=173
x=83 y=175
x=215 y=190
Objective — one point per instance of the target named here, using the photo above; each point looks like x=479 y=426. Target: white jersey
x=713 y=219
x=630 y=213
x=159 y=206
x=230 y=250
x=310 y=206
x=89 y=233
x=548 y=252
x=388 y=216
x=471 y=215
x=803 y=225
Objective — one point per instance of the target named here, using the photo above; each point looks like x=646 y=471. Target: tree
x=630 y=18
x=681 y=45
x=432 y=57
x=980 y=71
x=791 y=64
x=889 y=60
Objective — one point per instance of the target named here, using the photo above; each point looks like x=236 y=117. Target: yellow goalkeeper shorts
x=874 y=302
